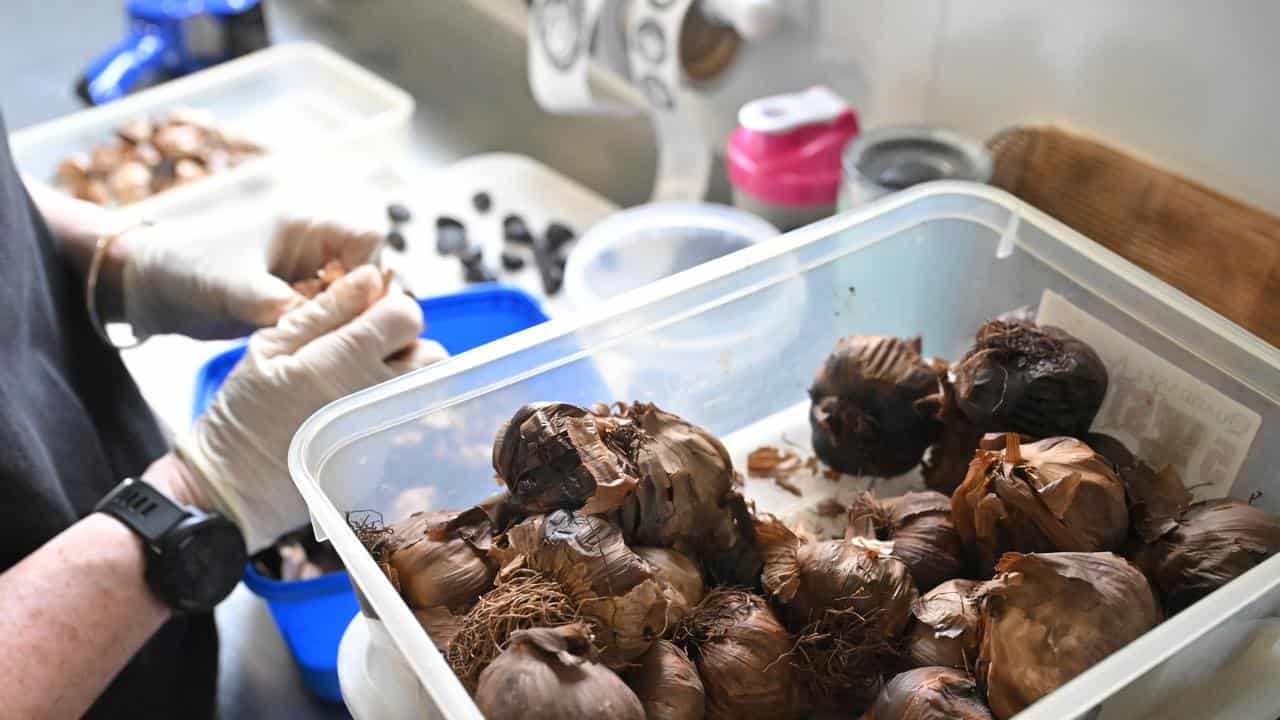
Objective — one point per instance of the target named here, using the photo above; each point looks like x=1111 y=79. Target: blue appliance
x=168 y=38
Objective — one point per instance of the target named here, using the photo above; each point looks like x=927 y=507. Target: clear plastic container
x=636 y=246
x=298 y=100
x=936 y=260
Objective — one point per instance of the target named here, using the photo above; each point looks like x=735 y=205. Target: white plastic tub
x=937 y=260
x=298 y=100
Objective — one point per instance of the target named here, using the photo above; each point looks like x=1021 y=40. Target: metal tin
x=886 y=160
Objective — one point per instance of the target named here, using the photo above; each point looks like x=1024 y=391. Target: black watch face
x=202 y=561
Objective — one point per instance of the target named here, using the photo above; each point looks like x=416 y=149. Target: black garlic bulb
x=864 y=413
x=1040 y=381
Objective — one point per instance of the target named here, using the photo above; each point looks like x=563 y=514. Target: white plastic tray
x=937 y=260
x=298 y=100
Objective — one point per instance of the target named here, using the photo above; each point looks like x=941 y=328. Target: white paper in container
x=1167 y=416
x=923 y=261
x=301 y=101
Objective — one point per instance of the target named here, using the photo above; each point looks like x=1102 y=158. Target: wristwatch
x=194 y=558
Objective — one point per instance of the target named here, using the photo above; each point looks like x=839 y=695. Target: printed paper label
x=1162 y=413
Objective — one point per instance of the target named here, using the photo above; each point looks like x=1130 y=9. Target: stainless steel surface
x=886 y=160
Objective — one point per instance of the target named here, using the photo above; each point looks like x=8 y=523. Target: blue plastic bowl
x=313 y=614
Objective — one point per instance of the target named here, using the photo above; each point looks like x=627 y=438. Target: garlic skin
x=1049 y=617
x=741 y=650
x=676 y=570
x=440 y=625
x=813 y=578
x=929 y=693
x=666 y=682
x=1054 y=495
x=944 y=631
x=947 y=461
x=1156 y=499
x=681 y=581
x=557 y=455
x=436 y=566
x=1040 y=381
x=920 y=526
x=863 y=411
x=1209 y=545
x=548 y=674
x=612 y=585
x=847 y=601
x=686 y=479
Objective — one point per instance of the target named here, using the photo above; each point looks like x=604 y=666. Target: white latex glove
x=323 y=350
x=212 y=286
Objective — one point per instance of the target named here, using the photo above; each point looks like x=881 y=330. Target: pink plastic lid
x=786 y=149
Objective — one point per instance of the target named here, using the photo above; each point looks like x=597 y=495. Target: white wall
x=1193 y=86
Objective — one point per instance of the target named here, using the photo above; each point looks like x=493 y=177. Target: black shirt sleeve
x=72 y=425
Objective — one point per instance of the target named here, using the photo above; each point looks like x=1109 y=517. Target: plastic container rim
x=399 y=108
x=447 y=692
x=1158 y=290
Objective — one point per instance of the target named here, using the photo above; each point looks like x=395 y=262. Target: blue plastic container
x=313 y=614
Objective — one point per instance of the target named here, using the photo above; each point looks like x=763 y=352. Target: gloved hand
x=347 y=339
x=209 y=287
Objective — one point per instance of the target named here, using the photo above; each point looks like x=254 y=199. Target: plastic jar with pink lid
x=784 y=158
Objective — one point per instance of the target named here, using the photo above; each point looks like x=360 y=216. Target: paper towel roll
x=653 y=41
x=560 y=33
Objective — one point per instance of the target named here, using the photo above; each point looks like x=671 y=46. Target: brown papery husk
x=667 y=683
x=439 y=558
x=930 y=693
x=863 y=410
x=1211 y=544
x=945 y=624
x=742 y=653
x=549 y=674
x=686 y=484
x=557 y=455
x=1040 y=381
x=612 y=585
x=1049 y=617
x=441 y=625
x=1156 y=499
x=523 y=599
x=811 y=578
x=947 y=460
x=1054 y=495
x=741 y=564
x=849 y=602
x=681 y=580
x=919 y=524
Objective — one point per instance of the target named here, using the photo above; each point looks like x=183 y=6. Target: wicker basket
x=1222 y=252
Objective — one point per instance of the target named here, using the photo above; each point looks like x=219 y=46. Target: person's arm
x=191 y=279
x=77 y=225
x=76 y=610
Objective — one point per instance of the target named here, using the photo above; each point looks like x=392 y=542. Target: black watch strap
x=146 y=510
